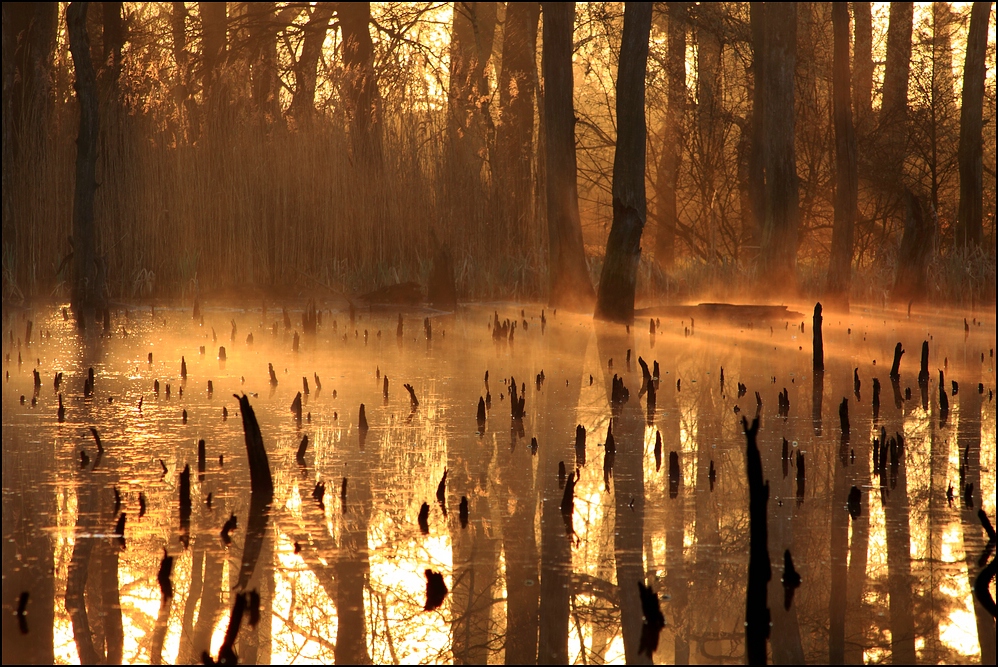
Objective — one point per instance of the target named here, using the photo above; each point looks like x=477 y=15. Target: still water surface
x=344 y=580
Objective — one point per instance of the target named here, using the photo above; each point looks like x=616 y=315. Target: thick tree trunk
x=667 y=176
x=359 y=89
x=306 y=72
x=472 y=36
x=615 y=300
x=840 y=265
x=862 y=73
x=85 y=290
x=568 y=275
x=515 y=132
x=778 y=255
x=971 y=211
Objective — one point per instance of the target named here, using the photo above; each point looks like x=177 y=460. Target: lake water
x=345 y=580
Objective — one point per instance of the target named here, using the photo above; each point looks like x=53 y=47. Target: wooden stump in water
x=817 y=341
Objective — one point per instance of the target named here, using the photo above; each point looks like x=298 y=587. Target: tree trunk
x=472 y=36
x=359 y=89
x=186 y=107
x=710 y=94
x=755 y=213
x=615 y=301
x=894 y=109
x=917 y=245
x=515 y=133
x=303 y=102
x=862 y=73
x=667 y=176
x=85 y=290
x=112 y=44
x=262 y=23
x=846 y=184
x=29 y=37
x=568 y=275
x=778 y=255
x=971 y=211
x=214 y=35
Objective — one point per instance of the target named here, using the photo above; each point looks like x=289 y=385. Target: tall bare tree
x=846 y=188
x=778 y=253
x=568 y=275
x=970 y=156
x=667 y=174
x=615 y=299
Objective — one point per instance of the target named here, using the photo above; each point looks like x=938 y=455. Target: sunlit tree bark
x=667 y=176
x=971 y=211
x=568 y=275
x=615 y=300
x=778 y=254
x=112 y=45
x=846 y=193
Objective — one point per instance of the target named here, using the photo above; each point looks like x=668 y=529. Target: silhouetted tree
x=971 y=212
x=615 y=300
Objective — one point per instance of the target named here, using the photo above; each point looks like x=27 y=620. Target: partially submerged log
x=732 y=312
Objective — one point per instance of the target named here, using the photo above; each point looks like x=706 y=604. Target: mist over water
x=341 y=570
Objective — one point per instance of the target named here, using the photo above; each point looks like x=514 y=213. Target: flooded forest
x=506 y=333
